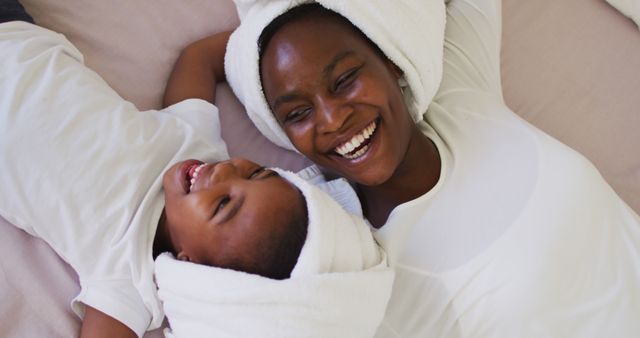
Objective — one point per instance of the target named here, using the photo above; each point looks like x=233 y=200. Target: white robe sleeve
x=473 y=37
x=204 y=117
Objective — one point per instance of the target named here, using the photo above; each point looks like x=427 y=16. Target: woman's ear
x=395 y=70
x=399 y=74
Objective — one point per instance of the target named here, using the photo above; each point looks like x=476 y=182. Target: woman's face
x=337 y=99
x=221 y=213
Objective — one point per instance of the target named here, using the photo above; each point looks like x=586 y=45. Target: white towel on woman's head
x=409 y=32
x=339 y=287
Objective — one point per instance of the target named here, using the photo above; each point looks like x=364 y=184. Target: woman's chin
x=372 y=180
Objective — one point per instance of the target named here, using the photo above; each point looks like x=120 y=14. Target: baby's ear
x=183 y=256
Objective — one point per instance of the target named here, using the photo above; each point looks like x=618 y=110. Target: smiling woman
x=481 y=214
x=339 y=102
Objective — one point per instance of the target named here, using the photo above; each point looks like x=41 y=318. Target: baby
x=109 y=188
x=233 y=214
x=339 y=285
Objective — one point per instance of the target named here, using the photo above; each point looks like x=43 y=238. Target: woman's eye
x=346 y=79
x=298 y=114
x=222 y=204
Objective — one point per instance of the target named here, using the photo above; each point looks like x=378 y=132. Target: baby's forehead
x=299 y=193
x=293 y=180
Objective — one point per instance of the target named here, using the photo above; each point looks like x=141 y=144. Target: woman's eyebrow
x=326 y=72
x=285 y=98
x=328 y=69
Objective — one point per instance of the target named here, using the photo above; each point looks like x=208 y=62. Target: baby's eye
x=256 y=172
x=224 y=201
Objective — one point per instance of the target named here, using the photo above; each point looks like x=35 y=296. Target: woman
x=493 y=227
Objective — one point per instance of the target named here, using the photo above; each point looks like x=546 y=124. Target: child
x=339 y=287
x=127 y=189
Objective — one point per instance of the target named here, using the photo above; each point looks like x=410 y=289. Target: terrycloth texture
x=338 y=189
x=337 y=241
x=339 y=287
x=630 y=8
x=418 y=54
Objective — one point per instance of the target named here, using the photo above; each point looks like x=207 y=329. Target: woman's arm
x=98 y=325
x=473 y=37
x=198 y=68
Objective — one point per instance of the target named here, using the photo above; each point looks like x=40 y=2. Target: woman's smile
x=358 y=144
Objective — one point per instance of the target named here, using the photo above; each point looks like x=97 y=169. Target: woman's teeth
x=194 y=176
x=357 y=153
x=346 y=149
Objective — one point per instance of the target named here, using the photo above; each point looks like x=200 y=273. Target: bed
x=570 y=67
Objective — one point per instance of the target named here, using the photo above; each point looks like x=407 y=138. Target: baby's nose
x=223 y=171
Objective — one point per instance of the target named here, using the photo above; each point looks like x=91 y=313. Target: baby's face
x=219 y=214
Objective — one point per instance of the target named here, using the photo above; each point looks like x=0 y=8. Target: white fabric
x=339 y=287
x=630 y=8
x=82 y=168
x=418 y=54
x=339 y=189
x=337 y=241
x=521 y=237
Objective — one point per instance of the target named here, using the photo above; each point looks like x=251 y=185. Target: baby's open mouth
x=192 y=174
x=358 y=144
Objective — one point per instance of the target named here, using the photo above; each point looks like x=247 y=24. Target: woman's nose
x=331 y=115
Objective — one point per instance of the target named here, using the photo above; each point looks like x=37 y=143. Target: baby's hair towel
x=339 y=286
x=409 y=32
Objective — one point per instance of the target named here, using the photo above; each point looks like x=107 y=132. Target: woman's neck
x=417 y=174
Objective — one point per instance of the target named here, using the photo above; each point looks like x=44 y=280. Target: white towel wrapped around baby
x=339 y=287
